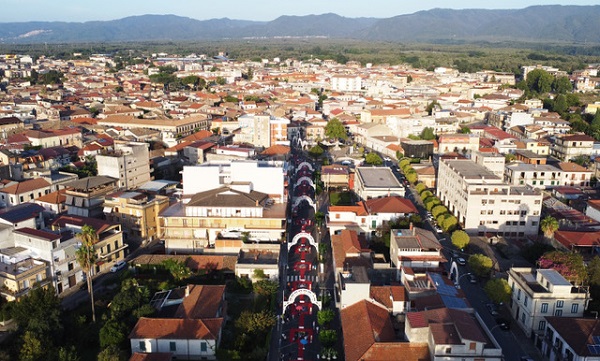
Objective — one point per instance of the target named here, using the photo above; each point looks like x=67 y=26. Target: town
x=199 y=207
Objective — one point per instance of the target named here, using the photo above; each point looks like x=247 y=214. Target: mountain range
x=548 y=23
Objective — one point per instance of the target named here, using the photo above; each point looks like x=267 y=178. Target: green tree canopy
x=373 y=159
x=324 y=317
x=438 y=210
x=255 y=322
x=460 y=239
x=562 y=85
x=428 y=133
x=549 y=225
x=569 y=264
x=335 y=129
x=265 y=287
x=498 y=290
x=449 y=224
x=113 y=333
x=40 y=313
x=178 y=269
x=480 y=264
x=539 y=81
x=328 y=337
x=316 y=151
x=420 y=187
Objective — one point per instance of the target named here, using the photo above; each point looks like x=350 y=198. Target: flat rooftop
x=378 y=177
x=471 y=170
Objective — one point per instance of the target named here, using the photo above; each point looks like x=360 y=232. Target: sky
x=261 y=10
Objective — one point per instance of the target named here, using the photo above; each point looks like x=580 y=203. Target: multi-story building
x=346 y=83
x=571 y=339
x=109 y=246
x=537 y=293
x=484 y=204
x=20 y=272
x=265 y=176
x=262 y=130
x=458 y=143
x=571 y=146
x=546 y=176
x=414 y=252
x=137 y=212
x=86 y=196
x=129 y=163
x=221 y=220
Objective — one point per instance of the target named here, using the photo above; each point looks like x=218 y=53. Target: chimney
x=257 y=202
x=411 y=228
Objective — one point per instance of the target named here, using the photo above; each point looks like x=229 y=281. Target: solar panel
x=596 y=340
x=594 y=349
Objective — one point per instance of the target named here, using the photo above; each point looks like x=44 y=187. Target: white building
x=265 y=176
x=376 y=182
x=129 y=163
x=484 y=204
x=346 y=83
x=540 y=293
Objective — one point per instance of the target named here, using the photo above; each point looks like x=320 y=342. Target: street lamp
x=457 y=283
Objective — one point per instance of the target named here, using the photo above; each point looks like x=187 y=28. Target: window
x=558 y=313
x=519 y=294
x=544 y=308
x=542 y=325
x=203 y=346
x=472 y=346
x=523 y=317
x=142 y=346
x=574 y=308
x=172 y=346
x=560 y=304
x=525 y=301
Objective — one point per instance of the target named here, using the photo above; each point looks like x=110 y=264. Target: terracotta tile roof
x=49 y=236
x=359 y=209
x=571 y=167
x=194 y=262
x=579 y=239
x=363 y=324
x=154 y=356
x=178 y=329
x=57 y=197
x=276 y=150
x=382 y=294
x=202 y=134
x=444 y=334
x=393 y=204
x=202 y=302
x=410 y=351
x=26 y=186
x=577 y=332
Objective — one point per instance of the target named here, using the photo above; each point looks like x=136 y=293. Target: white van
x=118 y=266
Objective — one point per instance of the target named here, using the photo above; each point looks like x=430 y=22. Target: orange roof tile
x=178 y=329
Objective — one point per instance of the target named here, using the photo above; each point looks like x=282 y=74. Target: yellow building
x=137 y=213
x=19 y=273
x=218 y=220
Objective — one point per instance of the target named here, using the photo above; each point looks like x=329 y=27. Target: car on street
x=503 y=323
x=118 y=266
x=461 y=261
x=472 y=278
x=492 y=308
x=387 y=159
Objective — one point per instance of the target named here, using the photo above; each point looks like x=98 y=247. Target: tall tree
x=460 y=239
x=86 y=257
x=498 y=290
x=335 y=129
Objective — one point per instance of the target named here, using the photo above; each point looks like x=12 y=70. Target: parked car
x=461 y=261
x=503 y=323
x=472 y=278
x=387 y=159
x=118 y=266
x=492 y=308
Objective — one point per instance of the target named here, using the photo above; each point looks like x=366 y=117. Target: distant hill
x=552 y=23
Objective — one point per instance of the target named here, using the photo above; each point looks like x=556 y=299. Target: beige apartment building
x=137 y=212
x=129 y=162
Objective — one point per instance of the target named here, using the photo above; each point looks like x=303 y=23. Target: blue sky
x=264 y=10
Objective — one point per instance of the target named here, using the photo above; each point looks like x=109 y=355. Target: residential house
x=336 y=176
x=368 y=334
x=452 y=334
x=376 y=182
x=190 y=327
x=537 y=293
x=576 y=339
x=21 y=272
x=24 y=191
x=571 y=146
x=109 y=246
x=414 y=252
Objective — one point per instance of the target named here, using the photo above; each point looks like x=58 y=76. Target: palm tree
x=549 y=225
x=86 y=257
